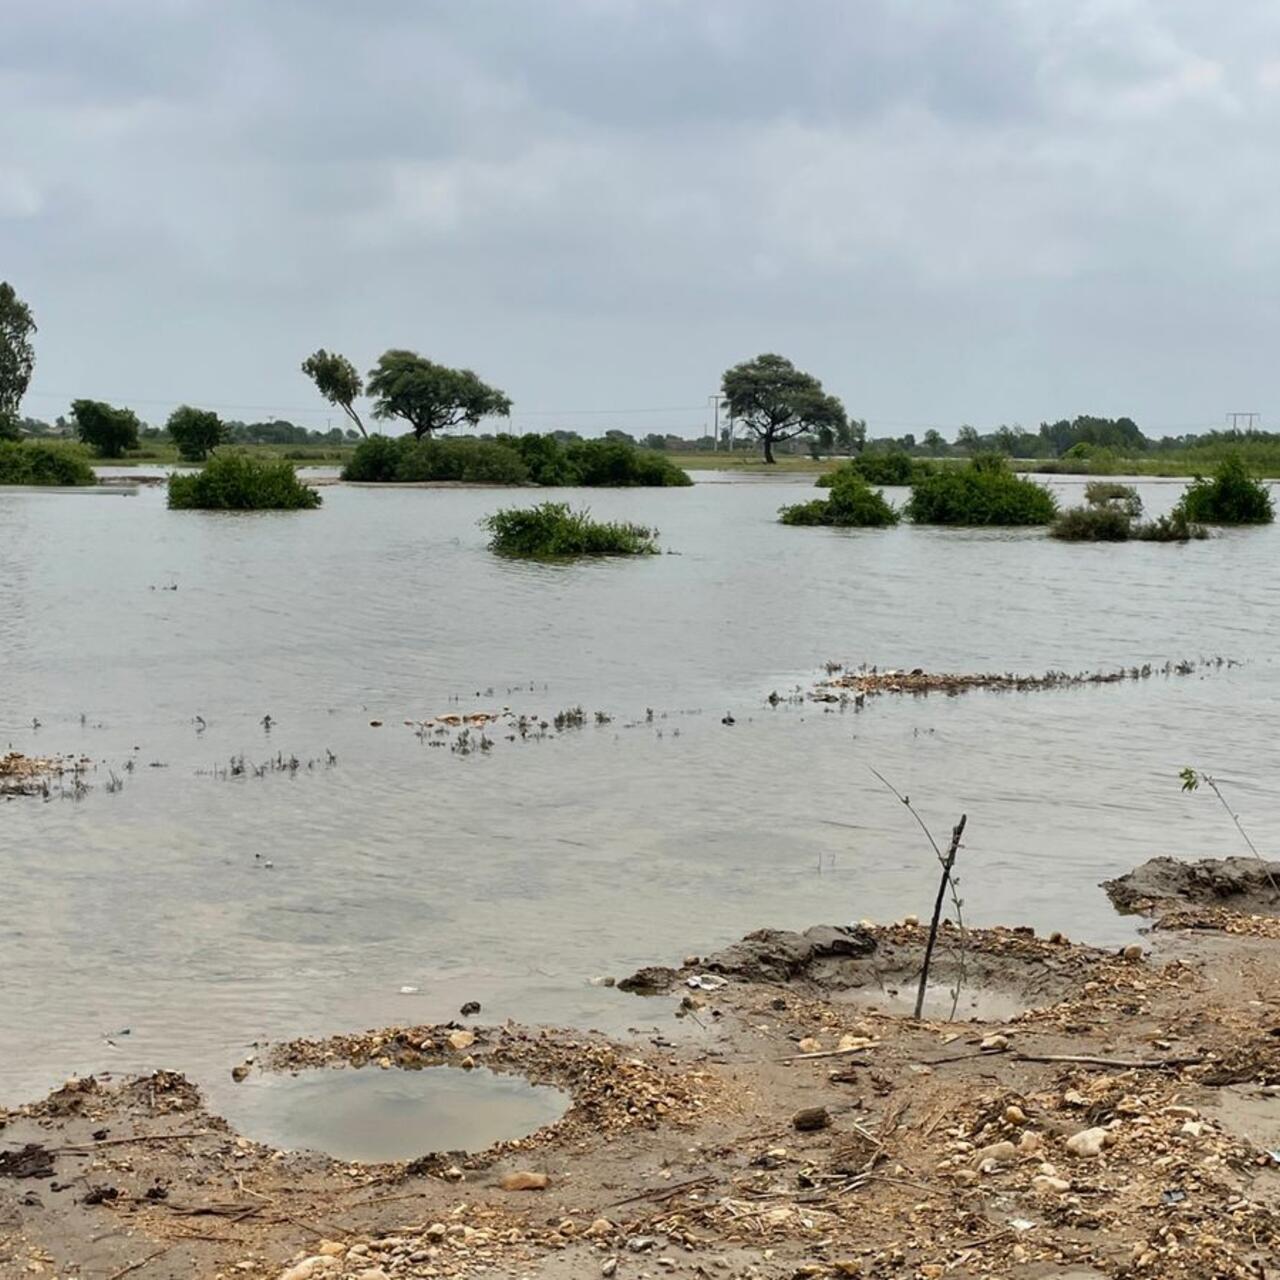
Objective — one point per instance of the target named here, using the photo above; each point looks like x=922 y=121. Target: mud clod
x=1241 y=884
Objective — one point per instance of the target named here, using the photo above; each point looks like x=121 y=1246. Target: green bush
x=984 y=492
x=552 y=529
x=241 y=482
x=1233 y=496
x=881 y=468
x=25 y=462
x=853 y=504
x=1092 y=524
x=533 y=459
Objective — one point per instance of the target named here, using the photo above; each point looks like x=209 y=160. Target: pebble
x=524 y=1180
x=372 y=1273
x=811 y=1118
x=1132 y=952
x=461 y=1039
x=608 y=1266
x=1029 y=1143
x=810 y=1045
x=994 y=1044
x=1088 y=1142
x=1047 y=1185
x=308 y=1267
x=997 y=1154
x=600 y=1227
x=332 y=1248
x=1015 y=1115
x=436 y=1231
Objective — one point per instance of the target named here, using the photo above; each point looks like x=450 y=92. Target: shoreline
x=788 y=1119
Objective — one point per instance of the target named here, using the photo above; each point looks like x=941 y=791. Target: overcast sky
x=985 y=212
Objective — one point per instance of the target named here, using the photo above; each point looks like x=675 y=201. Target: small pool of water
x=372 y=1115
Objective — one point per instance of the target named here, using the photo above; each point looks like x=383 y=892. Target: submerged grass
x=237 y=481
x=551 y=531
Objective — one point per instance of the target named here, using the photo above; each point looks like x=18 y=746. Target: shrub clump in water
x=1112 y=516
x=1233 y=496
x=533 y=459
x=552 y=530
x=853 y=504
x=985 y=492
x=24 y=462
x=241 y=482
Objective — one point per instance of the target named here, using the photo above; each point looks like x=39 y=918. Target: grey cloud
x=986 y=211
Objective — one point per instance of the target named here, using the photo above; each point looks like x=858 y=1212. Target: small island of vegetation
x=553 y=531
x=852 y=504
x=239 y=482
x=892 y=468
x=1232 y=496
x=982 y=492
x=27 y=463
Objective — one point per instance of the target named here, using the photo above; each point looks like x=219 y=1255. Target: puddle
x=372 y=1115
x=984 y=1004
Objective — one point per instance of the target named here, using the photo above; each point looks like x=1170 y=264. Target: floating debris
x=22 y=775
x=854 y=686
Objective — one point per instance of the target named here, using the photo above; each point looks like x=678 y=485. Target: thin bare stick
x=949 y=882
x=665 y=1193
x=1212 y=783
x=1149 y=1064
x=956 y=832
x=822 y=1053
x=142 y=1262
x=85 y=1147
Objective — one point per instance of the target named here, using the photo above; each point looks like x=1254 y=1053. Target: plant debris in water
x=844 y=687
x=23 y=775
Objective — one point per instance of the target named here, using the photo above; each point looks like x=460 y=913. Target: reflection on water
x=512 y=876
x=372 y=1115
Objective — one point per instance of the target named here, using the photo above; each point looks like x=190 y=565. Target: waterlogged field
x=223 y=895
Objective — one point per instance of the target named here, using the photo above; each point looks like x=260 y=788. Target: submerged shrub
x=880 y=468
x=26 y=462
x=985 y=492
x=1232 y=496
x=241 y=482
x=853 y=504
x=552 y=529
x=1092 y=524
x=1175 y=527
x=533 y=459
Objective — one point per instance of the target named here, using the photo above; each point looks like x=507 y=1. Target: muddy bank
x=23 y=775
x=1119 y=1123
x=1242 y=885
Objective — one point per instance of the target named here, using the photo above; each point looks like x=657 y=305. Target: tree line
x=767 y=397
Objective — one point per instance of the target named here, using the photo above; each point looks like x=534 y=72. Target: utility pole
x=715 y=430
x=1250 y=419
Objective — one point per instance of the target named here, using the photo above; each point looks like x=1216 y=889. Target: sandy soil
x=1113 y=1115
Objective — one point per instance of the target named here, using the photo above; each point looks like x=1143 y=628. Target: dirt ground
x=1088 y=1114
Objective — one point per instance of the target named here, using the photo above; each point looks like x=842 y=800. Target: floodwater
x=369 y=1114
x=187 y=916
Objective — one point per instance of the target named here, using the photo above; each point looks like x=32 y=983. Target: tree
x=196 y=432
x=17 y=357
x=852 y=437
x=108 y=430
x=431 y=397
x=967 y=438
x=338 y=381
x=934 y=442
x=777 y=402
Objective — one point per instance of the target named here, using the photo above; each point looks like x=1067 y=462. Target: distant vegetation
x=1232 y=496
x=26 y=462
x=552 y=530
x=533 y=459
x=775 y=401
x=895 y=468
x=983 y=492
x=852 y=503
x=107 y=430
x=17 y=357
x=195 y=432
x=240 y=482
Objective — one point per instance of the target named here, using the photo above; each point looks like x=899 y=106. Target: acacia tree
x=196 y=432
x=338 y=381
x=430 y=396
x=17 y=357
x=777 y=402
x=108 y=430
